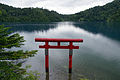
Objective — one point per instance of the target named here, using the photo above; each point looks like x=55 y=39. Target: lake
x=97 y=59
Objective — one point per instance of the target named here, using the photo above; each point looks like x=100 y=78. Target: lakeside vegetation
x=108 y=13
x=9 y=68
x=12 y=14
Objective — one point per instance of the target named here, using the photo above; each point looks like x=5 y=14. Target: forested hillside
x=11 y=14
x=109 y=12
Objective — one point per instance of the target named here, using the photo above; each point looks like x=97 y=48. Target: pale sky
x=61 y=6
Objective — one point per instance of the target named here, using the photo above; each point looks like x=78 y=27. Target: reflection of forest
x=111 y=30
x=31 y=27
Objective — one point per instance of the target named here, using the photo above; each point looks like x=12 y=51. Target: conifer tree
x=9 y=70
x=9 y=40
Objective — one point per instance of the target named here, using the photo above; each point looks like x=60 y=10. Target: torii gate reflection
x=47 y=47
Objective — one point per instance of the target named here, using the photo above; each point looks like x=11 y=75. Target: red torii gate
x=47 y=46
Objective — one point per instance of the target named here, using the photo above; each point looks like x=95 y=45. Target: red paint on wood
x=70 y=61
x=71 y=44
x=47 y=46
x=57 y=40
x=47 y=62
x=59 y=47
x=58 y=43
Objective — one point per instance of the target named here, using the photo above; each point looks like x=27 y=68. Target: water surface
x=97 y=59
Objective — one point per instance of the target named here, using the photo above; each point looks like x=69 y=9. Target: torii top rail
x=47 y=46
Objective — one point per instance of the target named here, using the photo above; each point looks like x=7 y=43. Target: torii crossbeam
x=47 y=46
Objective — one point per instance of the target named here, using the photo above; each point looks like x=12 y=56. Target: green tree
x=0 y=12
x=12 y=14
x=109 y=13
x=9 y=70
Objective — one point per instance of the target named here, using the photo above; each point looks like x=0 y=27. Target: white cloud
x=61 y=6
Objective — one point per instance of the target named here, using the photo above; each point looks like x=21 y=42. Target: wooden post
x=70 y=57
x=70 y=77
x=47 y=76
x=46 y=57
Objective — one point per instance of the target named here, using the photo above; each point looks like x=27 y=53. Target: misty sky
x=61 y=6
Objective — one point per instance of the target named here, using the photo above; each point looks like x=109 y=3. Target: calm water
x=97 y=59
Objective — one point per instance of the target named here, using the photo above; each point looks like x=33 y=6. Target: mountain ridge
x=109 y=13
x=12 y=14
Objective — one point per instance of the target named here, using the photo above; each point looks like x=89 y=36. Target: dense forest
x=11 y=14
x=109 y=13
